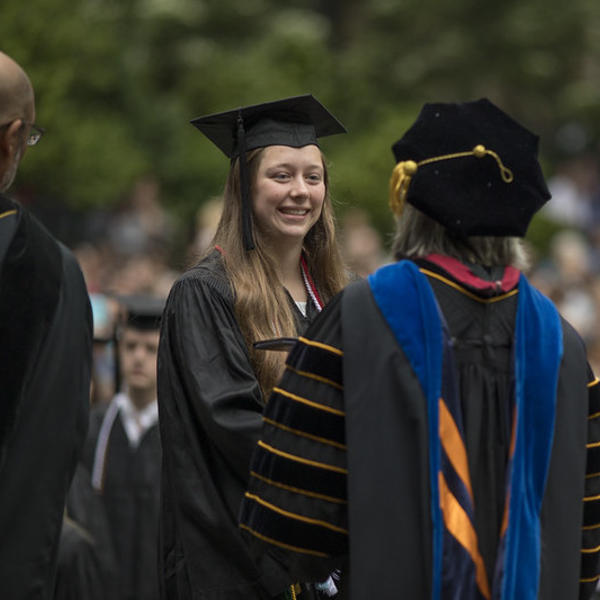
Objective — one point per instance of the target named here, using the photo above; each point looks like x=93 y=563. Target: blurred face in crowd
x=288 y=192
x=137 y=354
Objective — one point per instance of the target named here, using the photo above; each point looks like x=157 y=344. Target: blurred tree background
x=117 y=82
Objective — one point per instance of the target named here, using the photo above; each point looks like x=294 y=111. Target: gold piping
x=321 y=345
x=299 y=459
x=296 y=490
x=281 y=544
x=295 y=516
x=319 y=378
x=301 y=433
x=467 y=293
x=287 y=394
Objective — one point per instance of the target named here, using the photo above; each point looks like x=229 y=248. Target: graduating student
x=123 y=454
x=273 y=266
x=438 y=426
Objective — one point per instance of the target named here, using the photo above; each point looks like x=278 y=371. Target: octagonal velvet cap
x=468 y=194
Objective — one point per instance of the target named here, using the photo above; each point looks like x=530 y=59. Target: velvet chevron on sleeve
x=296 y=498
x=590 y=546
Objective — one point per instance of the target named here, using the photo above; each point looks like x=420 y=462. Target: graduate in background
x=123 y=453
x=438 y=426
x=274 y=262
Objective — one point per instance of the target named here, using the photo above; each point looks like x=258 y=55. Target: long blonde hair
x=262 y=309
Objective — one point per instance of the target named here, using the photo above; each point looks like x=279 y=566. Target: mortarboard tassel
x=244 y=186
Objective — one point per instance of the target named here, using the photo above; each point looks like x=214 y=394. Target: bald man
x=45 y=364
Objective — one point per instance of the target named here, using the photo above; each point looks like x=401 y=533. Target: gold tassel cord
x=401 y=176
x=405 y=170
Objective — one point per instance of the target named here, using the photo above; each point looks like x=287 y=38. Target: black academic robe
x=130 y=496
x=210 y=417
x=341 y=473
x=45 y=366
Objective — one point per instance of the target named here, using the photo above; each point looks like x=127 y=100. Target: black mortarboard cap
x=297 y=121
x=494 y=191
x=142 y=311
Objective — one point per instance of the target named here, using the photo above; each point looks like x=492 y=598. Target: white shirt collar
x=136 y=422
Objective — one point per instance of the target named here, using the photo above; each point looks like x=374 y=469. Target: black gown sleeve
x=205 y=375
x=295 y=506
x=210 y=409
x=590 y=546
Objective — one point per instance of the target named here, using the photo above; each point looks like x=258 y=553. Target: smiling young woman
x=274 y=264
x=288 y=195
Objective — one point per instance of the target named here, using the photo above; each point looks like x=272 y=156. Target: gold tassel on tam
x=401 y=176
x=405 y=170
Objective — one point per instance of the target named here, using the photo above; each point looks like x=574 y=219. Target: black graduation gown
x=130 y=496
x=342 y=467
x=45 y=366
x=210 y=417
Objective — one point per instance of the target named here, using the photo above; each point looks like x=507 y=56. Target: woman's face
x=288 y=192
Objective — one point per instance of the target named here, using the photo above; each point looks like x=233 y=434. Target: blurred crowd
x=569 y=270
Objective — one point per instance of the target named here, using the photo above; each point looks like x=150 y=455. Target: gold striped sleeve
x=269 y=540
x=7 y=213
x=308 y=402
x=300 y=459
x=315 y=377
x=321 y=345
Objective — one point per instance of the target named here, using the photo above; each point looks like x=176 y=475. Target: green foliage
x=117 y=82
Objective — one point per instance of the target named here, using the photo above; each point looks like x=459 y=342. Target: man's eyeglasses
x=34 y=135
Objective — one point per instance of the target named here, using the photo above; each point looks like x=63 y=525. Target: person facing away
x=273 y=265
x=45 y=365
x=123 y=453
x=436 y=430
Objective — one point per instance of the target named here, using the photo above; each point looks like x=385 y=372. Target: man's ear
x=11 y=140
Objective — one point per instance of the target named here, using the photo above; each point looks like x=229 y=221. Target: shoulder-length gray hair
x=417 y=235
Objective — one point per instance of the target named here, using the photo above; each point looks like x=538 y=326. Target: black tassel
x=244 y=185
